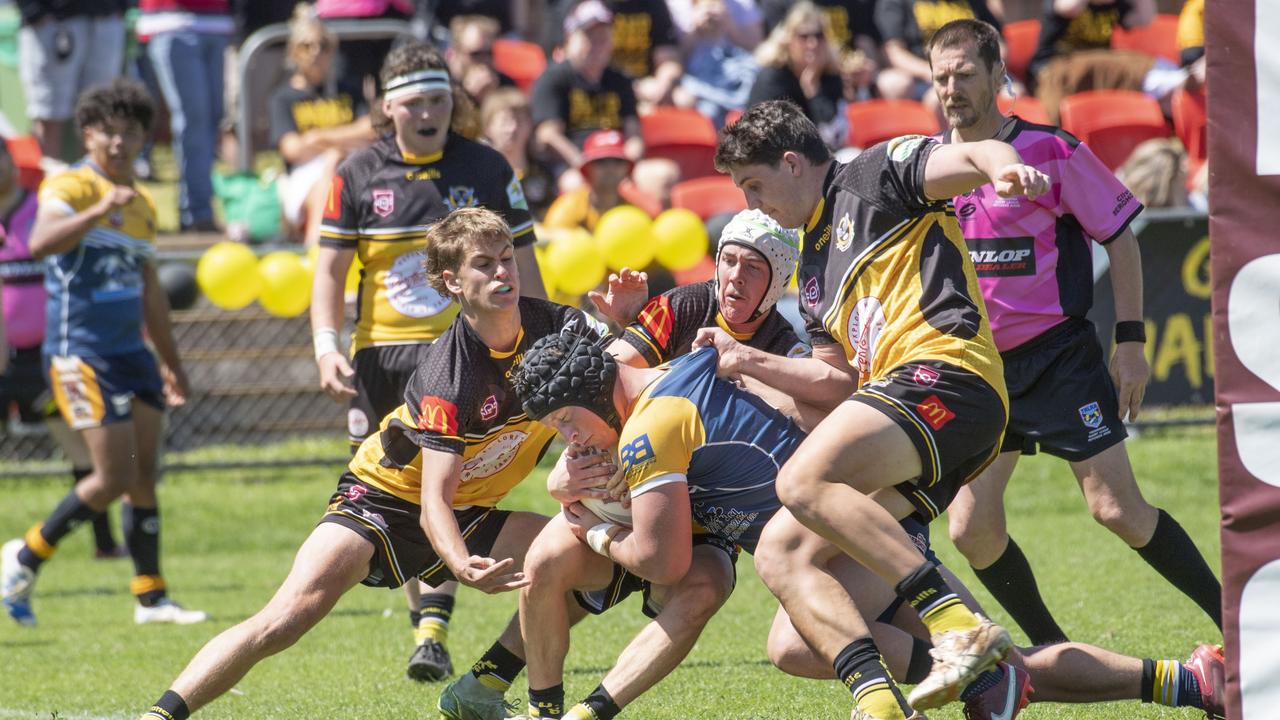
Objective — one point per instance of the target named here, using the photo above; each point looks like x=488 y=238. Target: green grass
x=230 y=538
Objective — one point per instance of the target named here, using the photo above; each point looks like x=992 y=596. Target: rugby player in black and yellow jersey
x=380 y=204
x=896 y=318
x=418 y=499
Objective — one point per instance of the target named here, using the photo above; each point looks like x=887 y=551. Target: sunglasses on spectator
x=323 y=45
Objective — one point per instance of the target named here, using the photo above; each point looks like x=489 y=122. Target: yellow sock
x=949 y=615
x=432 y=628
x=880 y=702
x=36 y=542
x=580 y=712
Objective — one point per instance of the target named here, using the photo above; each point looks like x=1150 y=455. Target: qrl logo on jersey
x=866 y=321
x=656 y=319
x=925 y=375
x=812 y=294
x=489 y=409
x=438 y=415
x=384 y=202
x=355 y=492
x=1003 y=257
x=934 y=412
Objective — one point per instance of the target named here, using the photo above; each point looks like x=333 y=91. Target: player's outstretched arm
x=58 y=229
x=821 y=381
x=953 y=170
x=441 y=473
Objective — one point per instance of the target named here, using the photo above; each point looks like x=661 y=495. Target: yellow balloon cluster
x=286 y=284
x=228 y=275
x=572 y=263
x=680 y=238
x=624 y=235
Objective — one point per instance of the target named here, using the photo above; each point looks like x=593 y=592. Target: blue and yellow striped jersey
x=95 y=290
x=724 y=442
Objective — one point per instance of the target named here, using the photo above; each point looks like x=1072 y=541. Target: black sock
x=498 y=667
x=1174 y=556
x=861 y=669
x=103 y=539
x=170 y=706
x=547 y=703
x=414 y=617
x=1010 y=581
x=921 y=662
x=69 y=513
x=142 y=535
x=601 y=703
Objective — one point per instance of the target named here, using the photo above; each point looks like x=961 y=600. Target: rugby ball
x=609 y=511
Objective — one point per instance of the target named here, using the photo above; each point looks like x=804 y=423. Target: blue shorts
x=92 y=391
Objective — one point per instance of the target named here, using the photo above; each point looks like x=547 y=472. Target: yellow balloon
x=228 y=275
x=575 y=262
x=681 y=239
x=544 y=268
x=286 y=284
x=625 y=237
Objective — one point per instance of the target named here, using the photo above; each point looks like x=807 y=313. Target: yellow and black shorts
x=392 y=526
x=954 y=418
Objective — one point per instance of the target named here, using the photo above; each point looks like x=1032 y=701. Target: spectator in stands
x=583 y=93
x=65 y=46
x=470 y=55
x=742 y=22
x=312 y=129
x=1191 y=33
x=1156 y=173
x=24 y=388
x=851 y=22
x=1074 y=52
x=508 y=126
x=249 y=17
x=718 y=73
x=798 y=62
x=605 y=166
x=186 y=41
x=522 y=18
x=906 y=27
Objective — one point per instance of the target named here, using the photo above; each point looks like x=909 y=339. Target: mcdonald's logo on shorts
x=934 y=412
x=656 y=319
x=438 y=415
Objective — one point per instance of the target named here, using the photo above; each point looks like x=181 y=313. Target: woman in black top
x=798 y=62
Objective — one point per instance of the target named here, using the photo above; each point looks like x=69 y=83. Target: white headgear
x=781 y=247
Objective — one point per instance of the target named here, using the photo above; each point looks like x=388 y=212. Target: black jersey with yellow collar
x=669 y=322
x=724 y=442
x=884 y=271
x=460 y=401
x=381 y=204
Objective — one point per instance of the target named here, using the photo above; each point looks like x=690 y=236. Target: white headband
x=416 y=82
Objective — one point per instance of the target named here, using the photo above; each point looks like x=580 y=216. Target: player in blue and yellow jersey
x=899 y=331
x=418 y=499
x=95 y=228
x=381 y=203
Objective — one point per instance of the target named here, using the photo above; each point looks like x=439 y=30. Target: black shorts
x=391 y=525
x=381 y=374
x=24 y=384
x=953 y=417
x=624 y=582
x=1061 y=397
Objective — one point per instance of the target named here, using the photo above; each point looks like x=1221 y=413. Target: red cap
x=603 y=144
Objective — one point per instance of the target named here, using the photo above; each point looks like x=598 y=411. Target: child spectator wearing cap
x=605 y=167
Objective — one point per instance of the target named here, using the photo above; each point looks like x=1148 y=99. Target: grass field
x=229 y=540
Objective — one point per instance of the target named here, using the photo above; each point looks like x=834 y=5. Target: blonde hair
x=459 y=25
x=1155 y=173
x=772 y=52
x=449 y=240
x=305 y=24
x=503 y=98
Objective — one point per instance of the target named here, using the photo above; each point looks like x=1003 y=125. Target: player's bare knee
x=551 y=565
x=797 y=489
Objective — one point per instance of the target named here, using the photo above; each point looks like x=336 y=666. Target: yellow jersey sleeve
x=69 y=191
x=658 y=441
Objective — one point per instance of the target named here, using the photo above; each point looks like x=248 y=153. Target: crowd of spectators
x=608 y=63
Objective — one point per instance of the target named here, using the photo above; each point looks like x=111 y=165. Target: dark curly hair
x=121 y=99
x=566 y=370
x=764 y=132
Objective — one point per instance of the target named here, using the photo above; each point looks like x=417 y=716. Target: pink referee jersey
x=1033 y=257
x=23 y=277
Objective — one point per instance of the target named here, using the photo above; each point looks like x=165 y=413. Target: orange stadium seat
x=731 y=117
x=1159 y=39
x=1026 y=107
x=25 y=150
x=1190 y=122
x=682 y=135
x=1113 y=122
x=1020 y=40
x=874 y=121
x=708 y=196
x=521 y=61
